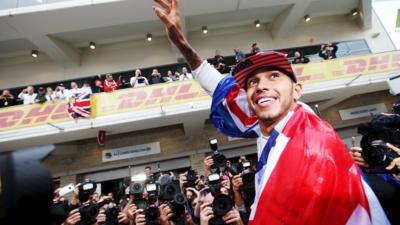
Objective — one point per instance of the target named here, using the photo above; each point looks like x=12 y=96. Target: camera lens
x=222 y=204
x=179 y=199
x=141 y=203
x=152 y=213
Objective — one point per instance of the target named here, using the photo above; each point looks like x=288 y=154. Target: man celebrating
x=304 y=174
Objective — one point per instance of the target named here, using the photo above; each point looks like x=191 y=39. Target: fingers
x=353 y=141
x=174 y=4
x=74 y=217
x=140 y=218
x=163 y=17
x=231 y=216
x=165 y=6
x=394 y=148
x=395 y=162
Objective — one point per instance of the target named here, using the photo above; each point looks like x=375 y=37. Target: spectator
x=138 y=80
x=239 y=55
x=97 y=84
x=6 y=99
x=328 y=51
x=299 y=58
x=156 y=77
x=86 y=88
x=61 y=93
x=170 y=77
x=185 y=75
x=74 y=91
x=122 y=83
x=219 y=62
x=109 y=84
x=147 y=171
x=28 y=95
x=50 y=95
x=41 y=96
x=254 y=49
x=177 y=75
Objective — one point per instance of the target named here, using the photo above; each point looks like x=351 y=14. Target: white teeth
x=263 y=100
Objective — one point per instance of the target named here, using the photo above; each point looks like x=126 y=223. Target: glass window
x=8 y=4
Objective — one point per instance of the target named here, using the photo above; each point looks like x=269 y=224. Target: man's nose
x=263 y=86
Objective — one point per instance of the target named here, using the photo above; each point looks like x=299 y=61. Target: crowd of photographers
x=222 y=196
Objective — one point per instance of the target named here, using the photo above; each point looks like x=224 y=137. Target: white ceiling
x=107 y=20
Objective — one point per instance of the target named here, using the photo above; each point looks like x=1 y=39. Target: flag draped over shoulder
x=305 y=174
x=79 y=105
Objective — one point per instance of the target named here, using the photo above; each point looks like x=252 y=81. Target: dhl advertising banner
x=189 y=91
x=148 y=97
x=104 y=104
x=347 y=67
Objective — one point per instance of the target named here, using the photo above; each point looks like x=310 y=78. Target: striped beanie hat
x=269 y=60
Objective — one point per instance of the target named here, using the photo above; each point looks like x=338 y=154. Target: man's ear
x=297 y=91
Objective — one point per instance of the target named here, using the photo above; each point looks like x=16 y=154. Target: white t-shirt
x=27 y=98
x=135 y=83
x=188 y=76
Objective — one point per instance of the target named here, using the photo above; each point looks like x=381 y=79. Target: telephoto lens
x=221 y=205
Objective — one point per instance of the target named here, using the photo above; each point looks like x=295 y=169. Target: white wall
x=123 y=56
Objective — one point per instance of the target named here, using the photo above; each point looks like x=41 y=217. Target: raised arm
x=169 y=14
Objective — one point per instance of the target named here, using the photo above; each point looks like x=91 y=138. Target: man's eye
x=252 y=82
x=275 y=75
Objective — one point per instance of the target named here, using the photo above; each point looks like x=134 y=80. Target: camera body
x=218 y=158
x=248 y=177
x=170 y=192
x=222 y=203
x=137 y=189
x=89 y=213
x=111 y=216
x=86 y=189
x=382 y=129
x=191 y=178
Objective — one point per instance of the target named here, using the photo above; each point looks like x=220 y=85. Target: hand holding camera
x=355 y=153
x=101 y=217
x=233 y=217
x=206 y=213
x=396 y=161
x=140 y=217
x=165 y=214
x=208 y=163
x=73 y=217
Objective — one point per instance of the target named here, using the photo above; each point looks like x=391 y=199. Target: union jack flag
x=79 y=105
x=304 y=174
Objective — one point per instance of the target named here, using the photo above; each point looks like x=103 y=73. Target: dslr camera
x=111 y=215
x=222 y=203
x=382 y=129
x=137 y=189
x=218 y=158
x=170 y=192
x=191 y=178
x=248 y=188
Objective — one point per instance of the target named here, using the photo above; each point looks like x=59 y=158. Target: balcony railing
x=189 y=92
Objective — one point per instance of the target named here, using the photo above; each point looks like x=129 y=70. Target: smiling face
x=271 y=95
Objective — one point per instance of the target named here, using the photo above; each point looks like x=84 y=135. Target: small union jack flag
x=79 y=105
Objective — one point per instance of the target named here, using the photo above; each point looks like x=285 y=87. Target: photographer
x=385 y=185
x=138 y=80
x=6 y=99
x=328 y=51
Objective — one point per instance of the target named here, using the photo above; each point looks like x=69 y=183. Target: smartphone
x=66 y=189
